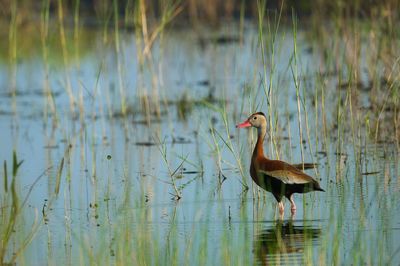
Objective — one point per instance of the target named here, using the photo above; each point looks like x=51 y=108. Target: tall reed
x=268 y=87
x=66 y=60
x=77 y=60
x=48 y=100
x=12 y=57
x=118 y=56
x=296 y=81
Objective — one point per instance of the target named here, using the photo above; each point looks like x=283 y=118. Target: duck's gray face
x=256 y=120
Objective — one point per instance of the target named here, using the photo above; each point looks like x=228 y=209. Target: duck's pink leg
x=281 y=209
x=293 y=207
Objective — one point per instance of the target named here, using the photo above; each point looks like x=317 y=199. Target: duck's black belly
x=280 y=189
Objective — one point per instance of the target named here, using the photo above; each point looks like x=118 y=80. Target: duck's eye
x=255 y=118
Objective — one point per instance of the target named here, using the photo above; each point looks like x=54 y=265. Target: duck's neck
x=258 y=149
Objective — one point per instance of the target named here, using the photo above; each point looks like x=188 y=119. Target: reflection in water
x=284 y=243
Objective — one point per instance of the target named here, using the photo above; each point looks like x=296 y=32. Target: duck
x=280 y=178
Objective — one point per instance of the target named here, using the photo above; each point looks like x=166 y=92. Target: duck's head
x=257 y=120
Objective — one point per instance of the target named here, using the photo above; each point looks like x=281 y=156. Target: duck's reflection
x=284 y=242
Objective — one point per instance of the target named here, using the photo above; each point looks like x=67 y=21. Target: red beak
x=245 y=124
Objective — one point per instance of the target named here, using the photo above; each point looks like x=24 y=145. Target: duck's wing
x=284 y=172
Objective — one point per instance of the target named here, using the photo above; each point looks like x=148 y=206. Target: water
x=116 y=201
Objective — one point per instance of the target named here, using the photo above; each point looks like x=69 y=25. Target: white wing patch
x=286 y=177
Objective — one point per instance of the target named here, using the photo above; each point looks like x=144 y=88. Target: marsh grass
x=11 y=221
x=227 y=140
x=145 y=41
x=216 y=147
x=163 y=152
